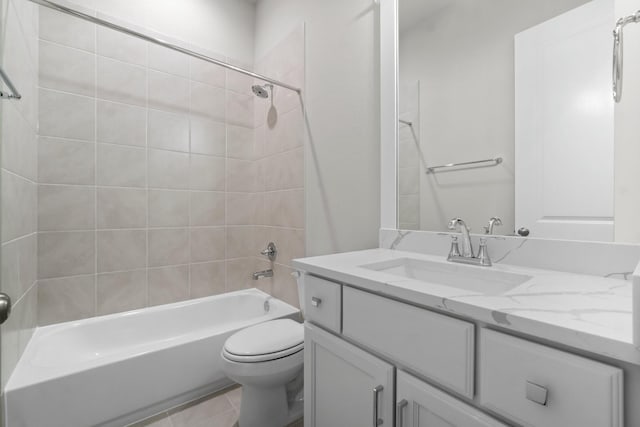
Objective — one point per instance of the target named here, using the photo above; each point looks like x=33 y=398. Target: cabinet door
x=339 y=382
x=421 y=405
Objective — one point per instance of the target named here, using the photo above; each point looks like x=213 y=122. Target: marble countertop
x=585 y=312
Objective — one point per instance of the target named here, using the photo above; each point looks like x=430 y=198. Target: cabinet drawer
x=535 y=385
x=322 y=304
x=436 y=346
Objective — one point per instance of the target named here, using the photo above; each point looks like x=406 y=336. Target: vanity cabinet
x=365 y=352
x=344 y=385
x=421 y=405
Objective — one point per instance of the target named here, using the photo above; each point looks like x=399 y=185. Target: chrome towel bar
x=14 y=92
x=475 y=163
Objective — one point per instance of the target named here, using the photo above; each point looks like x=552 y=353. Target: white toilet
x=267 y=360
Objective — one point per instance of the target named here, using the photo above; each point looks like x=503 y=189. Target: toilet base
x=269 y=406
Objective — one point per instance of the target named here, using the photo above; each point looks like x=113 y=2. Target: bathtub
x=116 y=369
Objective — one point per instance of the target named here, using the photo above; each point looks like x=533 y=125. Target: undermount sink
x=476 y=279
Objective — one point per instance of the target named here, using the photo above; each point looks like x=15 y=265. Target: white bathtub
x=116 y=369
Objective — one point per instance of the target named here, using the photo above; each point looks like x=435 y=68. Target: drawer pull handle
x=315 y=301
x=399 y=412
x=376 y=420
x=536 y=393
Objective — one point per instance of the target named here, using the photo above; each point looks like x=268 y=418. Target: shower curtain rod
x=84 y=16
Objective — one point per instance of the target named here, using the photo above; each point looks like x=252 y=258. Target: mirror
x=517 y=94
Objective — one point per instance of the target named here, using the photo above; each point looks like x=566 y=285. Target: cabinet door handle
x=315 y=301
x=536 y=393
x=399 y=412
x=376 y=391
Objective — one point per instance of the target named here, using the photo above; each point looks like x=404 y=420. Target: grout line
x=95 y=172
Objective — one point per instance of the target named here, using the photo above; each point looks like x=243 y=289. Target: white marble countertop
x=585 y=312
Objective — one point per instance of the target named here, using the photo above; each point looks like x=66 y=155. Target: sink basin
x=479 y=280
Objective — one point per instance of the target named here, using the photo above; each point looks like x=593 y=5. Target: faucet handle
x=483 y=253
x=455 y=250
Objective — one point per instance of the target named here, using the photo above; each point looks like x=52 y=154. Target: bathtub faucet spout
x=263 y=273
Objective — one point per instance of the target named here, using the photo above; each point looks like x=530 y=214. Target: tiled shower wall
x=19 y=58
x=411 y=159
x=152 y=179
x=279 y=135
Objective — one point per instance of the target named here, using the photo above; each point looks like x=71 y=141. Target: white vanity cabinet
x=421 y=405
x=366 y=352
x=344 y=386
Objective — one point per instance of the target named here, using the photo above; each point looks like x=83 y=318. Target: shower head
x=262 y=91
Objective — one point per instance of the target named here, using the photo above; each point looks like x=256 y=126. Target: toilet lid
x=265 y=341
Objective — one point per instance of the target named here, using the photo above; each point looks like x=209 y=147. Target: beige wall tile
x=66 y=30
x=207 y=208
x=239 y=109
x=239 y=274
x=65 y=253
x=168 y=169
x=285 y=208
x=122 y=47
x=65 y=161
x=207 y=101
x=121 y=208
x=66 y=299
x=65 y=207
x=121 y=166
x=168 y=284
x=168 y=92
x=207 y=244
x=65 y=115
x=168 y=247
x=168 y=61
x=285 y=170
x=122 y=291
x=208 y=137
x=241 y=242
x=245 y=208
x=168 y=131
x=121 y=82
x=242 y=175
x=120 y=250
x=285 y=287
x=66 y=69
x=207 y=173
x=19 y=201
x=207 y=279
x=168 y=208
x=240 y=83
x=208 y=73
x=123 y=124
x=240 y=142
x=19 y=265
x=19 y=143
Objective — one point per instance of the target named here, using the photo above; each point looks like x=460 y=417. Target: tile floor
x=216 y=410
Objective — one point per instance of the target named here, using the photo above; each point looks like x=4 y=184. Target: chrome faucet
x=494 y=221
x=467 y=256
x=264 y=273
x=458 y=223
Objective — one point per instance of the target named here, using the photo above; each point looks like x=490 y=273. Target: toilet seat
x=266 y=341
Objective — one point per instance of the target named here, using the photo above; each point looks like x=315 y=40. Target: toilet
x=267 y=360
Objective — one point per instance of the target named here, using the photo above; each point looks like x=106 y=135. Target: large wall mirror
x=505 y=111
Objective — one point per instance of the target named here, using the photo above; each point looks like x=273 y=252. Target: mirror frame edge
x=388 y=113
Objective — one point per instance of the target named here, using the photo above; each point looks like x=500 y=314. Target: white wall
x=627 y=148
x=467 y=104
x=342 y=173
x=222 y=26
